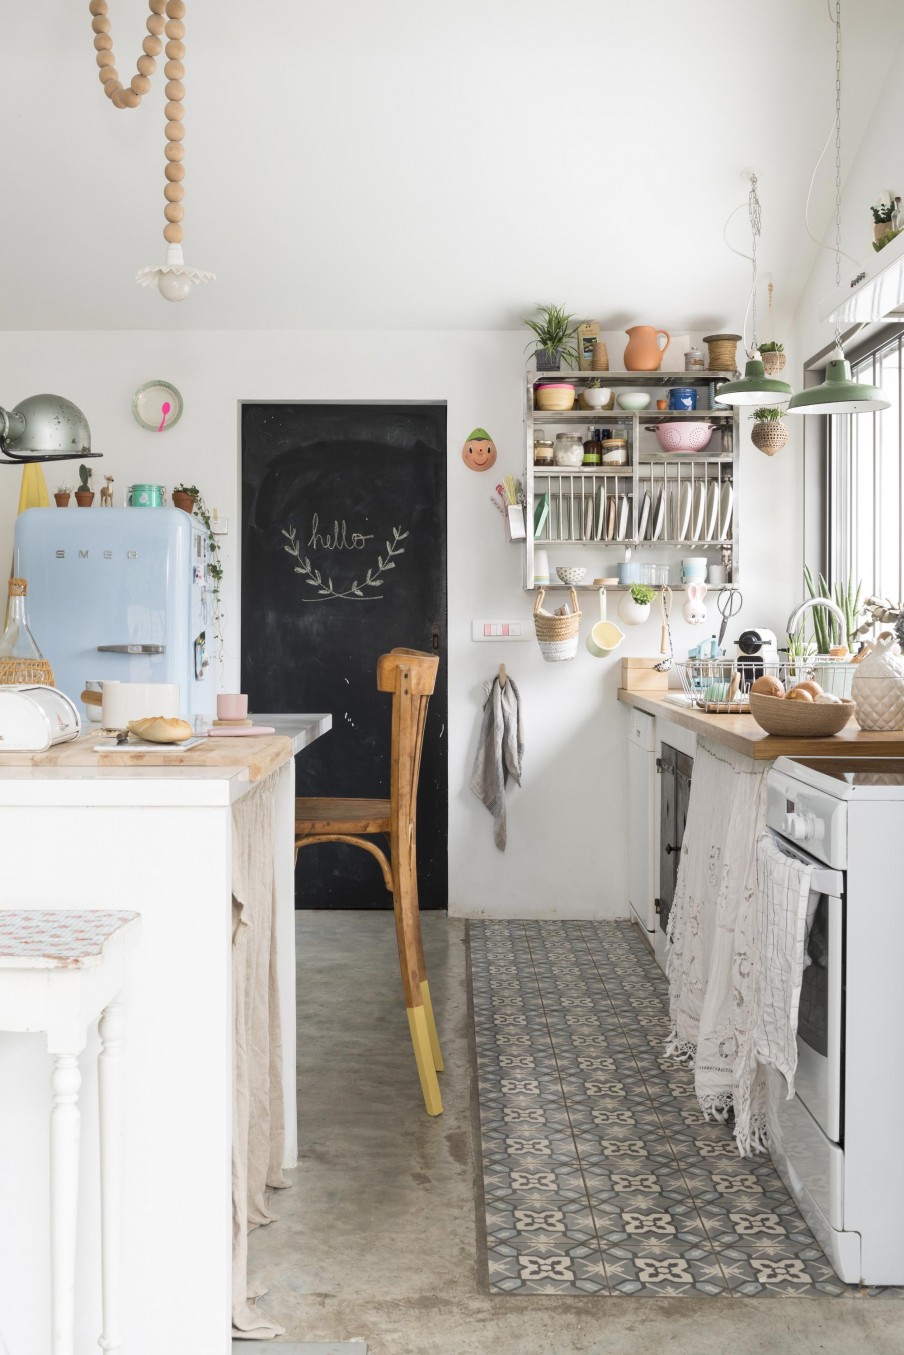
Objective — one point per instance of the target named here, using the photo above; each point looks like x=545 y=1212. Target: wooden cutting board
x=259 y=755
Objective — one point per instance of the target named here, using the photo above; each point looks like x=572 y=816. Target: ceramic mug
x=693 y=569
x=232 y=706
x=715 y=576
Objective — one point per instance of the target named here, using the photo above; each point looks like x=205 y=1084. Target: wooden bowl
x=799 y=719
x=555 y=396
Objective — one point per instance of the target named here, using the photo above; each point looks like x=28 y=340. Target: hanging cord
x=755 y=214
x=173 y=27
x=836 y=130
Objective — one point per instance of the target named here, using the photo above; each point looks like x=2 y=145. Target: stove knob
x=800 y=827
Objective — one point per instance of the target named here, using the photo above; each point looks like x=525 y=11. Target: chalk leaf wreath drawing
x=355 y=590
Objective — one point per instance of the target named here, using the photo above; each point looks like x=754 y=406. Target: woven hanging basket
x=14 y=672
x=769 y=436
x=773 y=362
x=557 y=636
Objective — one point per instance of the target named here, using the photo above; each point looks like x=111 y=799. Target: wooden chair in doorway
x=411 y=677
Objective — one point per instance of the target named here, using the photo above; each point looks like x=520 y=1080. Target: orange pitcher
x=643 y=353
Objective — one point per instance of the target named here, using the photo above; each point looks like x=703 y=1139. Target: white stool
x=59 y=972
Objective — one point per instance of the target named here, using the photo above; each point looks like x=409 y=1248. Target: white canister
x=541 y=568
x=878 y=687
x=569 y=449
x=125 y=701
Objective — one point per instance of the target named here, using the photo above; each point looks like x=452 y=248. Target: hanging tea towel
x=785 y=909
x=500 y=748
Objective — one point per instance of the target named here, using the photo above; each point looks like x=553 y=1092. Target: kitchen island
x=84 y=830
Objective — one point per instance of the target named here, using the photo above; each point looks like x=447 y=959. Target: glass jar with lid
x=615 y=450
x=568 y=450
x=542 y=450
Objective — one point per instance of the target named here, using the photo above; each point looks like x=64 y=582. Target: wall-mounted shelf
x=664 y=504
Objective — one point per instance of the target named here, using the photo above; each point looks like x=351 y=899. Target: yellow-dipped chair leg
x=420 y=1038
x=431 y=1027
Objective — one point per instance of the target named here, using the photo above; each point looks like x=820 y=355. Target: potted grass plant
x=769 y=433
x=554 y=330
x=61 y=495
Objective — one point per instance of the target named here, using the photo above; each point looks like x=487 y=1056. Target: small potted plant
x=185 y=497
x=84 y=495
x=773 y=355
x=553 y=334
x=61 y=495
x=634 y=607
x=769 y=433
x=882 y=215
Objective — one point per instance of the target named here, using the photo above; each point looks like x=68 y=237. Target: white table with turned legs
x=59 y=973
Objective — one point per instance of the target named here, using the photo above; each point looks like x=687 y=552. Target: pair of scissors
x=729 y=603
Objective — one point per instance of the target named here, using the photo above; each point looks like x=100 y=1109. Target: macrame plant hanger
x=166 y=18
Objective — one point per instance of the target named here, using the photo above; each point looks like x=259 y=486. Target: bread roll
x=160 y=729
x=767 y=686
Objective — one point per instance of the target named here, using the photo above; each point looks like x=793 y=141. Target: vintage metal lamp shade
x=166 y=19
x=44 y=428
x=839 y=393
x=754 y=387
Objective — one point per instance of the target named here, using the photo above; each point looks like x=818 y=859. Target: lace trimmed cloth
x=712 y=941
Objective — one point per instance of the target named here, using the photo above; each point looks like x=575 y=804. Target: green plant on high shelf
x=847 y=596
x=553 y=331
x=882 y=212
x=771 y=347
x=642 y=594
x=214 y=565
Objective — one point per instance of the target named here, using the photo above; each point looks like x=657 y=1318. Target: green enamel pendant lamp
x=754 y=387
x=839 y=393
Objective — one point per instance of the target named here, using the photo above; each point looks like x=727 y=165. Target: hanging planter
x=634 y=607
x=773 y=356
x=769 y=434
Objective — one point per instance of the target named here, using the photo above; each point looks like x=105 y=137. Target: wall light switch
x=219 y=526
x=501 y=630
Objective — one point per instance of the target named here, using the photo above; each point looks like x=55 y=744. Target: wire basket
x=722 y=686
x=557 y=636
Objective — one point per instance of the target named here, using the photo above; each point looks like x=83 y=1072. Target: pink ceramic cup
x=232 y=706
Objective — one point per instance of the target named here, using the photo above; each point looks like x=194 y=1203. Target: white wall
x=567 y=824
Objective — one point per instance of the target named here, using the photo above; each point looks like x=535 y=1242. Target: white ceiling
x=425 y=165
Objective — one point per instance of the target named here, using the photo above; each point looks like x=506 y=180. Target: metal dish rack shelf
x=722 y=686
x=661 y=503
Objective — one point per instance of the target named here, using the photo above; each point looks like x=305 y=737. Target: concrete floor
x=378 y=1239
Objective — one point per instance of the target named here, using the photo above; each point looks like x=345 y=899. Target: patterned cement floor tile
x=601 y=1173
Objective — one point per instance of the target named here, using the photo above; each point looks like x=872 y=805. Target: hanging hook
x=502 y=675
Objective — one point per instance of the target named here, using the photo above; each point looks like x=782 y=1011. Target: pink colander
x=686 y=436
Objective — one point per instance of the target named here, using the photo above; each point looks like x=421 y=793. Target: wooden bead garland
x=165 y=20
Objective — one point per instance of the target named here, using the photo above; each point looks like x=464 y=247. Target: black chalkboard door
x=344 y=558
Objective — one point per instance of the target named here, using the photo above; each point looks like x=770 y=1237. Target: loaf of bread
x=160 y=729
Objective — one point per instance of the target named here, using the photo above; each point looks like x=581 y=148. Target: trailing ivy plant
x=214 y=566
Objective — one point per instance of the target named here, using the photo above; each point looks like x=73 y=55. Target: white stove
x=837 y=1142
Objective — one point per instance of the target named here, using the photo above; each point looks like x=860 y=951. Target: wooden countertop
x=742 y=732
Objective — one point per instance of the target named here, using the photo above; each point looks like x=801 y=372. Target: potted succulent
x=595 y=395
x=882 y=223
x=61 y=495
x=553 y=335
x=84 y=495
x=634 y=607
x=773 y=356
x=769 y=433
x=185 y=497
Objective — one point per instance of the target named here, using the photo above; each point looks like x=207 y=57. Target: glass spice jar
x=543 y=451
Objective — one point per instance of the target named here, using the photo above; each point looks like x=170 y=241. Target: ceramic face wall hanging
x=479 y=452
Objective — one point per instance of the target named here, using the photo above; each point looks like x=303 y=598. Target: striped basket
x=557 y=636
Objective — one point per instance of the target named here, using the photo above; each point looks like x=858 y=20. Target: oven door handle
x=823 y=880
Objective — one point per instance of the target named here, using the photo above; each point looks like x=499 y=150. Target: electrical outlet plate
x=219 y=526
x=501 y=631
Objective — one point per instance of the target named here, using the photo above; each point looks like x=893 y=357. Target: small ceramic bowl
x=597 y=397
x=634 y=400
x=569 y=575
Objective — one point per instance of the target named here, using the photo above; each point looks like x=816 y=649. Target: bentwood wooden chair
x=411 y=677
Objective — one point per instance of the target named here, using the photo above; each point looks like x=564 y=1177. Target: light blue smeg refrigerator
x=120 y=594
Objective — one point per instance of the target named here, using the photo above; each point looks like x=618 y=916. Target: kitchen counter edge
x=743 y=734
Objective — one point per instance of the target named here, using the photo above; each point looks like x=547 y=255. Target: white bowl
x=597 y=397
x=634 y=400
x=570 y=575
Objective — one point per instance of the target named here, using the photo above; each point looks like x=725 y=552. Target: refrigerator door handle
x=131 y=649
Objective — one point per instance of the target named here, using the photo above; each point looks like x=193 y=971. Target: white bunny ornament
x=694 y=610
